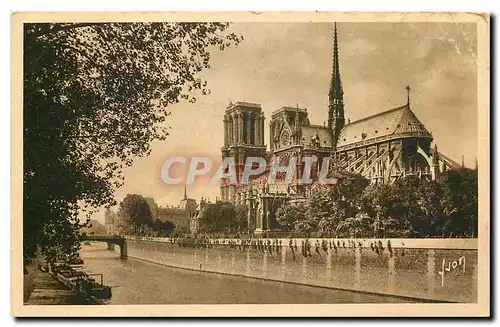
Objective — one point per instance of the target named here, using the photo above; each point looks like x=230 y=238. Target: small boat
x=83 y=284
x=94 y=292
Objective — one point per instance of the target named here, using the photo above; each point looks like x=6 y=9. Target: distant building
x=179 y=215
x=196 y=223
x=110 y=221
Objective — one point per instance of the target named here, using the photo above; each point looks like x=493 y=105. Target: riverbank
x=41 y=288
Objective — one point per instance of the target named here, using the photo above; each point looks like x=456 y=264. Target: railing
x=102 y=238
x=97 y=274
x=424 y=243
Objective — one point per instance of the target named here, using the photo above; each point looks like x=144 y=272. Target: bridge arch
x=111 y=241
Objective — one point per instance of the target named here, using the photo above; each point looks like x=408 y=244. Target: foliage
x=241 y=217
x=95 y=96
x=163 y=228
x=291 y=214
x=378 y=202
x=357 y=226
x=180 y=231
x=218 y=217
x=459 y=202
x=413 y=207
x=330 y=206
x=134 y=214
x=410 y=207
x=416 y=207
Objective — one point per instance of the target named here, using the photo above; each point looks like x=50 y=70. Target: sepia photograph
x=250 y=164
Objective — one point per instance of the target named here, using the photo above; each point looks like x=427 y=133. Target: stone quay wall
x=424 y=269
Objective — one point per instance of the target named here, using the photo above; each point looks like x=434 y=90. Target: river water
x=135 y=281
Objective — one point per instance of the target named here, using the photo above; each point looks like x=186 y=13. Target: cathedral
x=383 y=148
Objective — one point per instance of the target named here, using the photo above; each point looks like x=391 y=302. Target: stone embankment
x=425 y=269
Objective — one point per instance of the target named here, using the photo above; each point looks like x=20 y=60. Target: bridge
x=111 y=240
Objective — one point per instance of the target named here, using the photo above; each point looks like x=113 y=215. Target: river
x=135 y=281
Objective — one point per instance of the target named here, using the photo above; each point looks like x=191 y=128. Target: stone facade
x=383 y=148
x=196 y=223
x=413 y=269
x=110 y=221
x=180 y=215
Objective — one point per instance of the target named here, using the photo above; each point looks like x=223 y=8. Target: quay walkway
x=49 y=291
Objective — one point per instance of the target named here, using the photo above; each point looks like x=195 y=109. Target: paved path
x=47 y=290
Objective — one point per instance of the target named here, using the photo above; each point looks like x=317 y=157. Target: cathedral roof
x=397 y=122
x=310 y=132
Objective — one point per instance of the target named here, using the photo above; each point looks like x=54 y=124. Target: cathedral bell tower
x=336 y=120
x=243 y=137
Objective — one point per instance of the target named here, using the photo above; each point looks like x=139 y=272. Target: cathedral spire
x=185 y=192
x=336 y=93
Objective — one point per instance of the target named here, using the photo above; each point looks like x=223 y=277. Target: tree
x=429 y=220
x=218 y=217
x=459 y=202
x=163 y=228
x=134 y=214
x=357 y=226
x=289 y=214
x=416 y=207
x=180 y=231
x=95 y=96
x=241 y=217
x=329 y=206
x=377 y=202
x=406 y=207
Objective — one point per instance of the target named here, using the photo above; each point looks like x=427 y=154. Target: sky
x=289 y=64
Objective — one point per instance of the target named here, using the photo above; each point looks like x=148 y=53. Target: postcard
x=250 y=164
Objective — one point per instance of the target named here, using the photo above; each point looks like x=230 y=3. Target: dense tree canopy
x=410 y=207
x=95 y=96
x=241 y=217
x=459 y=202
x=290 y=214
x=378 y=202
x=329 y=206
x=219 y=217
x=134 y=214
x=163 y=228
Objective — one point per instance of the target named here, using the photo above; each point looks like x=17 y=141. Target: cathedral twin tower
x=244 y=122
x=244 y=126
